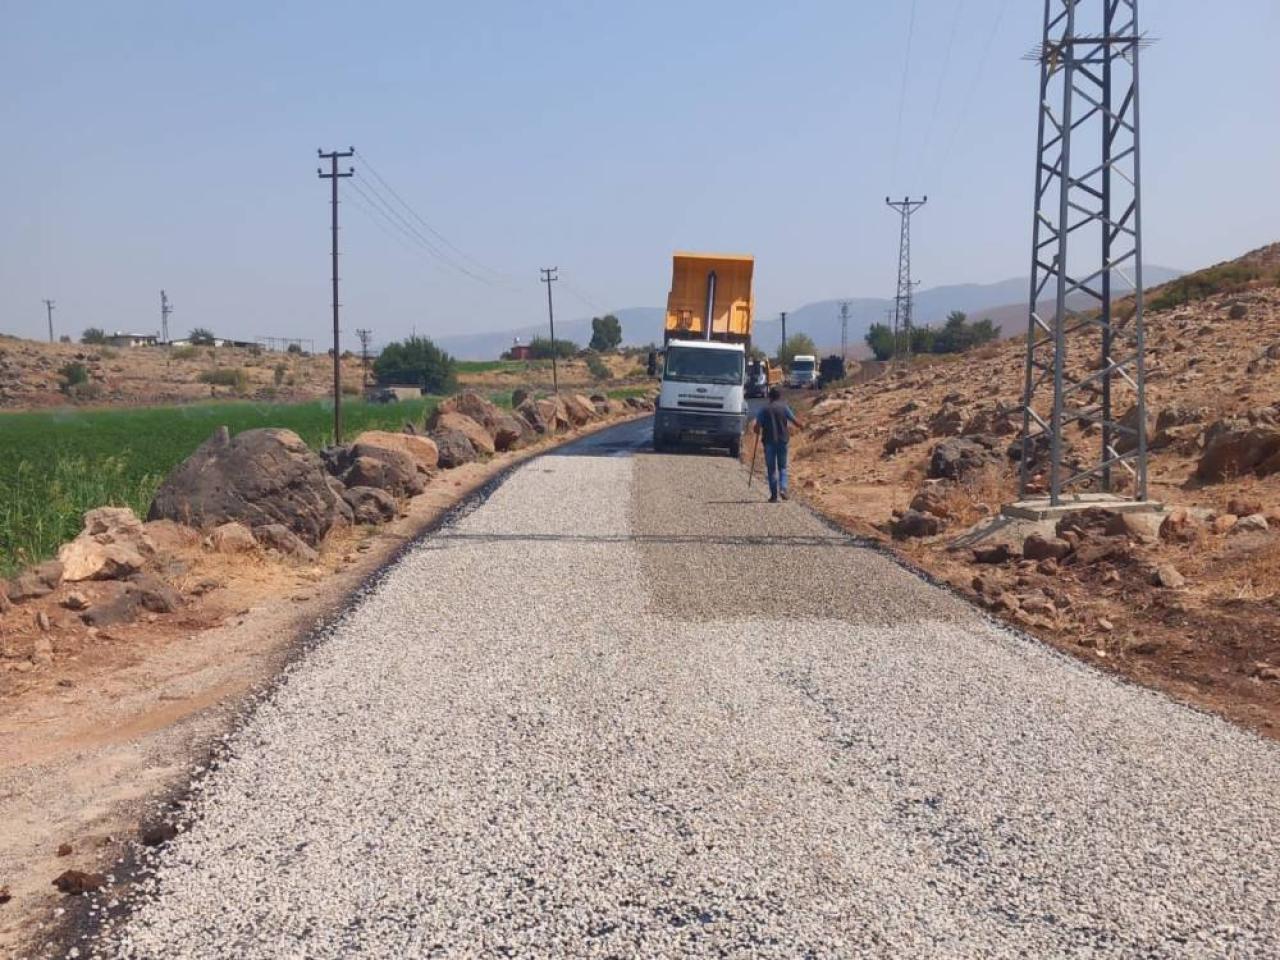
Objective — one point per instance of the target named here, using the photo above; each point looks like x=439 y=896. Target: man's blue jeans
x=775 y=463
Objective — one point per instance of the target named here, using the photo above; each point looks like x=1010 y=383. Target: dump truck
x=706 y=339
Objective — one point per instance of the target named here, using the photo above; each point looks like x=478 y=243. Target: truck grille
x=699 y=403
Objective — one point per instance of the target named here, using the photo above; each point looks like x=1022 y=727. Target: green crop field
x=55 y=465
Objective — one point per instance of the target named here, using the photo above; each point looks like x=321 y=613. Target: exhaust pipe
x=711 y=302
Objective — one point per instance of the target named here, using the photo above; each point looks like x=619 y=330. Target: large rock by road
x=454 y=447
x=421 y=449
x=260 y=476
x=1234 y=448
x=112 y=545
x=473 y=430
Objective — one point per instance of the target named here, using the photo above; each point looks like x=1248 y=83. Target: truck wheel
x=735 y=448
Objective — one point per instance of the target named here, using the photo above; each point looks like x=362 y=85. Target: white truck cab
x=804 y=372
x=702 y=398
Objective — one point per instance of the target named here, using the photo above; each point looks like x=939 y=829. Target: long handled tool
x=752 y=475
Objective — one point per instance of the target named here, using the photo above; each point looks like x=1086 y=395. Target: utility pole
x=549 y=277
x=165 y=310
x=782 y=349
x=334 y=176
x=48 y=309
x=844 y=329
x=902 y=302
x=365 y=336
x=1088 y=89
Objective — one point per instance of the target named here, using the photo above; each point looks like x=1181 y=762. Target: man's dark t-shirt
x=773 y=419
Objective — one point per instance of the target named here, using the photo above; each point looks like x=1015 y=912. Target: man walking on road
x=771 y=423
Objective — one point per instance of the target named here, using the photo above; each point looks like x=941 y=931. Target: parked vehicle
x=761 y=375
x=708 y=331
x=804 y=372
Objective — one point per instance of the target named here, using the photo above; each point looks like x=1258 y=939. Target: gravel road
x=626 y=708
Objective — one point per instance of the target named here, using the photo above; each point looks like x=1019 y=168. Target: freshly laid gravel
x=627 y=709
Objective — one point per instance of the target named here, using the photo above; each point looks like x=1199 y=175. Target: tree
x=202 y=337
x=880 y=339
x=540 y=348
x=598 y=368
x=95 y=335
x=606 y=333
x=798 y=343
x=417 y=361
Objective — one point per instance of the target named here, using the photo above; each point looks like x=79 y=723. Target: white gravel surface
x=601 y=717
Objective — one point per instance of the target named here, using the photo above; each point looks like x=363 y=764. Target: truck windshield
x=692 y=365
x=802 y=366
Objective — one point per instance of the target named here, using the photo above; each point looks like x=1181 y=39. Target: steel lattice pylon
x=1088 y=89
x=902 y=302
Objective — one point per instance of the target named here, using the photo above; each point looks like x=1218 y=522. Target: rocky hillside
x=1188 y=599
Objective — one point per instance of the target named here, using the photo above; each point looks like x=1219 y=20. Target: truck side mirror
x=653 y=363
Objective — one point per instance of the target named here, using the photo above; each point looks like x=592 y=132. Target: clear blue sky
x=173 y=144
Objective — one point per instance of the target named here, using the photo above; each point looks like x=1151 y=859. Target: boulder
x=1123 y=440
x=1166 y=575
x=1040 y=547
x=1234 y=448
x=997 y=422
x=579 y=409
x=1243 y=507
x=422 y=450
x=1253 y=523
x=1224 y=522
x=510 y=432
x=528 y=411
x=278 y=537
x=914 y=524
x=454 y=446
x=112 y=544
x=947 y=422
x=996 y=553
x=473 y=430
x=931 y=502
x=1176 y=415
x=126 y=600
x=261 y=476
x=469 y=404
x=39 y=581
x=1136 y=526
x=391 y=470
x=958 y=457
x=1180 y=526
x=232 y=537
x=519 y=395
x=370 y=505
x=903 y=437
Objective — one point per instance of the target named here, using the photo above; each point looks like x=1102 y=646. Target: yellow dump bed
x=732 y=308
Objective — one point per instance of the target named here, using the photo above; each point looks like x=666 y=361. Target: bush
x=184 y=353
x=202 y=337
x=350 y=390
x=233 y=377
x=93 y=335
x=540 y=348
x=294 y=348
x=278 y=372
x=64 y=339
x=1224 y=278
x=416 y=361
x=598 y=369
x=73 y=375
x=606 y=333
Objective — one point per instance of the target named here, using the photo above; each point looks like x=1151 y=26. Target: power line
x=902 y=95
x=586 y=301
x=942 y=79
x=977 y=78
x=428 y=227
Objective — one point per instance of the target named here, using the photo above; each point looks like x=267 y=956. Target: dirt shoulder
x=99 y=727
x=1186 y=600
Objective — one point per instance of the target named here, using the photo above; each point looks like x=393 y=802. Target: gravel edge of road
x=886 y=549
x=83 y=915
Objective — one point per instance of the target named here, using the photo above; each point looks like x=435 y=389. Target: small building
x=520 y=351
x=121 y=339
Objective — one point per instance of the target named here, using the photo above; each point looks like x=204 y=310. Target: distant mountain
x=1004 y=302
x=639 y=325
